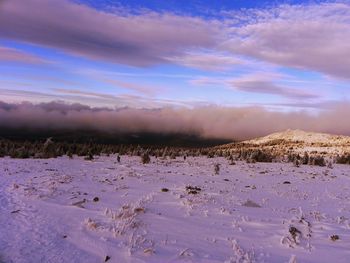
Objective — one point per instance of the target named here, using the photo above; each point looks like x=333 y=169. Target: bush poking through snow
x=193 y=190
x=70 y=155
x=297 y=163
x=148 y=251
x=89 y=157
x=294 y=232
x=330 y=164
x=145 y=158
x=216 y=168
x=318 y=160
x=139 y=210
x=90 y=224
x=305 y=160
x=250 y=203
x=334 y=237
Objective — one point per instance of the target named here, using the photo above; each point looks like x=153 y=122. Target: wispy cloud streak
x=14 y=55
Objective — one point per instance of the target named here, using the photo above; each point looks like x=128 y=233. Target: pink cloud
x=14 y=55
x=313 y=37
x=266 y=84
x=209 y=61
x=263 y=83
x=140 y=40
x=210 y=121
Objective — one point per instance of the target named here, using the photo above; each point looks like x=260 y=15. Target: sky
x=281 y=57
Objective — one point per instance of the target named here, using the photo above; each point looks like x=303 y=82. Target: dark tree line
x=239 y=152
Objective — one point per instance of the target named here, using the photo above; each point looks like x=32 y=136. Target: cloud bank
x=207 y=122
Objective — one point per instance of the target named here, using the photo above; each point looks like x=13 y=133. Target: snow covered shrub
x=21 y=153
x=297 y=163
x=90 y=224
x=193 y=189
x=318 y=160
x=173 y=155
x=343 y=159
x=145 y=158
x=219 y=153
x=210 y=154
x=295 y=233
x=305 y=159
x=89 y=157
x=70 y=155
x=330 y=164
x=49 y=149
x=250 y=160
x=231 y=159
x=216 y=168
x=256 y=155
x=164 y=154
x=334 y=237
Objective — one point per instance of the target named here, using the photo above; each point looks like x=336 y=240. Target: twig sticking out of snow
x=240 y=255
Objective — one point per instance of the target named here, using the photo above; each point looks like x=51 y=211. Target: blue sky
x=282 y=55
x=194 y=7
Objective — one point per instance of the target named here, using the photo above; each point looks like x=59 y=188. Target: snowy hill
x=299 y=136
x=296 y=141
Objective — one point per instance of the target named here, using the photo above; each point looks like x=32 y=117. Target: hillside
x=299 y=136
x=296 y=142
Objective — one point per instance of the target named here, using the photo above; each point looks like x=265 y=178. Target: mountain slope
x=299 y=136
x=294 y=141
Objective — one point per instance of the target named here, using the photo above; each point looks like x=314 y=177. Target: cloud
x=262 y=83
x=96 y=99
x=14 y=55
x=320 y=105
x=208 y=61
x=314 y=37
x=310 y=36
x=265 y=86
x=112 y=79
x=132 y=39
x=204 y=81
x=209 y=122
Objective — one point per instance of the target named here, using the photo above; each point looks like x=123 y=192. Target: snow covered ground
x=72 y=210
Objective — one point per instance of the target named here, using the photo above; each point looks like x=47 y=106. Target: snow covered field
x=72 y=210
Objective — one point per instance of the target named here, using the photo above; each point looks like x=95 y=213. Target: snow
x=298 y=142
x=263 y=212
x=303 y=136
